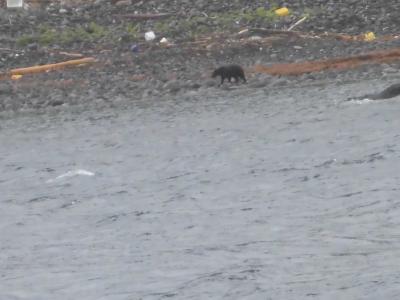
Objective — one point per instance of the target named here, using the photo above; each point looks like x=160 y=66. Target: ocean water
x=240 y=194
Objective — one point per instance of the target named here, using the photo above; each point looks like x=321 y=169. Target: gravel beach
x=105 y=30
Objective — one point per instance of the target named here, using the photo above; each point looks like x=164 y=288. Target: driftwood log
x=341 y=63
x=49 y=67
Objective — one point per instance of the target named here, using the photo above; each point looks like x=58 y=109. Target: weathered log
x=341 y=63
x=50 y=67
x=46 y=68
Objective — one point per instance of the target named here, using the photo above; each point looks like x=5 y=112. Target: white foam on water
x=71 y=173
x=361 y=101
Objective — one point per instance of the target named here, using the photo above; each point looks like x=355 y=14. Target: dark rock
x=33 y=47
x=56 y=103
x=195 y=85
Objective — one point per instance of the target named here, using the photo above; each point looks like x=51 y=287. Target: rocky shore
x=201 y=35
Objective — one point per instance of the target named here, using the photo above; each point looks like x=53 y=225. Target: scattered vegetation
x=202 y=24
x=231 y=19
x=170 y=27
x=25 y=39
x=133 y=30
x=46 y=35
x=260 y=15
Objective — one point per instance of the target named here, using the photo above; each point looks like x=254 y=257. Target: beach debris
x=297 y=23
x=15 y=3
x=369 y=36
x=135 y=48
x=71 y=54
x=243 y=31
x=72 y=173
x=149 y=36
x=163 y=41
x=47 y=68
x=282 y=12
x=266 y=32
x=16 y=77
x=255 y=38
x=342 y=63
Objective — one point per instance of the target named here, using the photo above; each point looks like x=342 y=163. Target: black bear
x=229 y=72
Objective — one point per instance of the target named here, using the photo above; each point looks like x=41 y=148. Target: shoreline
x=157 y=71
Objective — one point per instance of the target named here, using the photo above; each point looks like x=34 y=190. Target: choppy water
x=279 y=195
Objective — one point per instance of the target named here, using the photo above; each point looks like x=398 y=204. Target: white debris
x=149 y=36
x=255 y=38
x=15 y=3
x=163 y=40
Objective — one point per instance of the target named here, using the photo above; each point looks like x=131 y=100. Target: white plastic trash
x=149 y=36
x=164 y=40
x=15 y=3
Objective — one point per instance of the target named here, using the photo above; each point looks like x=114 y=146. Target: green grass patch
x=46 y=35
